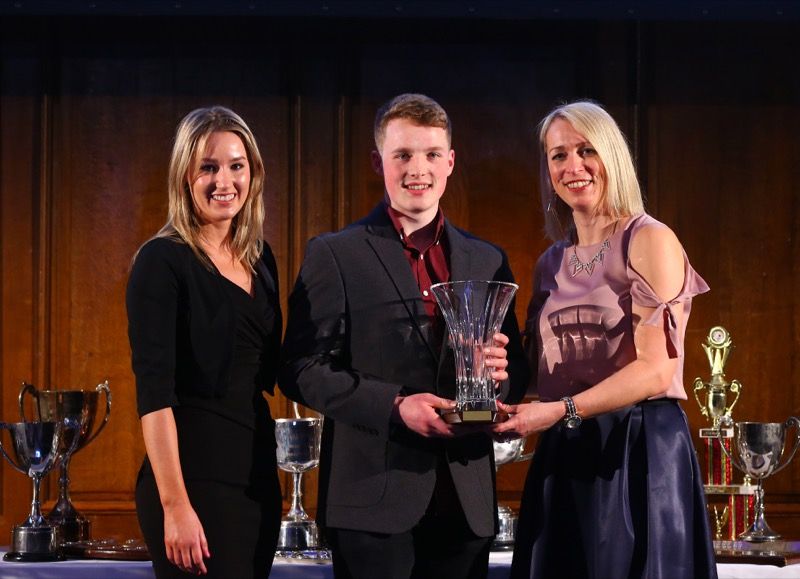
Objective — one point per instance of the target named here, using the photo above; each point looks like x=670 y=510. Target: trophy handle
x=700 y=385
x=727 y=421
x=792 y=421
x=33 y=392
x=736 y=388
x=5 y=454
x=107 y=391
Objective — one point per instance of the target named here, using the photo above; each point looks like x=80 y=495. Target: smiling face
x=219 y=178
x=415 y=162
x=576 y=170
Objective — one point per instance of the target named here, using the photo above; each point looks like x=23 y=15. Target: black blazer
x=182 y=324
x=356 y=338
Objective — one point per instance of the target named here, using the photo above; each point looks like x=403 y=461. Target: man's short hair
x=417 y=108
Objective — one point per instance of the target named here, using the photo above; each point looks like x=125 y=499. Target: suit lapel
x=460 y=255
x=383 y=240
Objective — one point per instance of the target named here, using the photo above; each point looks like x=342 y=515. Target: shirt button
x=421 y=256
x=425 y=293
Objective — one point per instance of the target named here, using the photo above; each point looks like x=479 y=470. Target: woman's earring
x=551 y=204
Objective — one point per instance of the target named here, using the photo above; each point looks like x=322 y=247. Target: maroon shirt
x=425 y=251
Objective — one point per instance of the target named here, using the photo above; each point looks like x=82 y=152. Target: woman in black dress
x=204 y=323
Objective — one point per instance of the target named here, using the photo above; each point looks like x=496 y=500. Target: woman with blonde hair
x=204 y=324
x=614 y=489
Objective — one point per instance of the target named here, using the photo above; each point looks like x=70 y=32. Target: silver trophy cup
x=505 y=453
x=298 y=451
x=758 y=451
x=81 y=406
x=474 y=311
x=36 y=447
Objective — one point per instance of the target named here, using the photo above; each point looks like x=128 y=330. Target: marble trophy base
x=33 y=544
x=504 y=540
x=475 y=412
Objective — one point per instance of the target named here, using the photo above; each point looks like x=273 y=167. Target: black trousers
x=440 y=546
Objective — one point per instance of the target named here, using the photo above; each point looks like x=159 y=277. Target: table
x=499 y=564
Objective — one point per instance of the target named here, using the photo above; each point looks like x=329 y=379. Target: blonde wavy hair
x=246 y=235
x=622 y=195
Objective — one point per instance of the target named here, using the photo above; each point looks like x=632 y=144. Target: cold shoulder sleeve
x=642 y=294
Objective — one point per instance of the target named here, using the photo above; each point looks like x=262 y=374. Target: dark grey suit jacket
x=357 y=337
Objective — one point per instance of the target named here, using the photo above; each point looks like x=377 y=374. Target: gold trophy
x=718 y=347
x=720 y=396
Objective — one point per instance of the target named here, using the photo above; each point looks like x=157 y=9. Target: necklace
x=588 y=266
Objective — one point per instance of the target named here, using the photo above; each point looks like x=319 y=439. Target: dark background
x=90 y=94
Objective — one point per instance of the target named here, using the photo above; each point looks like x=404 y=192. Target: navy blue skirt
x=621 y=496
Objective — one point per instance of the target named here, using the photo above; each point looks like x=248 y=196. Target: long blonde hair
x=622 y=195
x=246 y=235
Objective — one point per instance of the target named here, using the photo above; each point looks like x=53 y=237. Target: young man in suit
x=402 y=493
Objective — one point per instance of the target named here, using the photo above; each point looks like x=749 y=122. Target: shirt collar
x=434 y=229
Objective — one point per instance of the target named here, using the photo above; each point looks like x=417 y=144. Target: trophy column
x=731 y=505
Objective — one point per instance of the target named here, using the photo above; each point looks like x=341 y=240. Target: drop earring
x=551 y=204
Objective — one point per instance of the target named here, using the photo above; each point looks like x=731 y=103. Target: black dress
x=227 y=447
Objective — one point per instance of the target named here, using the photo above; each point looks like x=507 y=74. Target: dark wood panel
x=22 y=157
x=87 y=123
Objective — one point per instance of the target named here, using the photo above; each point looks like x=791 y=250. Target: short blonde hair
x=622 y=195
x=417 y=108
x=246 y=236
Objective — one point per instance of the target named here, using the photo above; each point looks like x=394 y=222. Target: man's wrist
x=396 y=409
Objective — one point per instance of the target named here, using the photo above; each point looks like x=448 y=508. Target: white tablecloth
x=499 y=564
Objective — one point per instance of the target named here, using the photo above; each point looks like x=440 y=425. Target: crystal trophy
x=474 y=311
x=298 y=451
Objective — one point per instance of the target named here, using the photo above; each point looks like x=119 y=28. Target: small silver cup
x=758 y=451
x=36 y=448
x=80 y=406
x=505 y=453
x=298 y=451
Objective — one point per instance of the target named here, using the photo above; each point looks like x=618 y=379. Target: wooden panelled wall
x=88 y=107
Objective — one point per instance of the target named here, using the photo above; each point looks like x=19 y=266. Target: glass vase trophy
x=298 y=451
x=731 y=505
x=474 y=311
x=82 y=408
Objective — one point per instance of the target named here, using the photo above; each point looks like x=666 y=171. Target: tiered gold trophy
x=731 y=519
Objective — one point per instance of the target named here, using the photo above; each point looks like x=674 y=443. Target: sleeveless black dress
x=227 y=453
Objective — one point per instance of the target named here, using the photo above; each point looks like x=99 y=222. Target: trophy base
x=779 y=553
x=13 y=557
x=762 y=535
x=298 y=536
x=504 y=540
x=475 y=412
x=71 y=530
x=29 y=544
